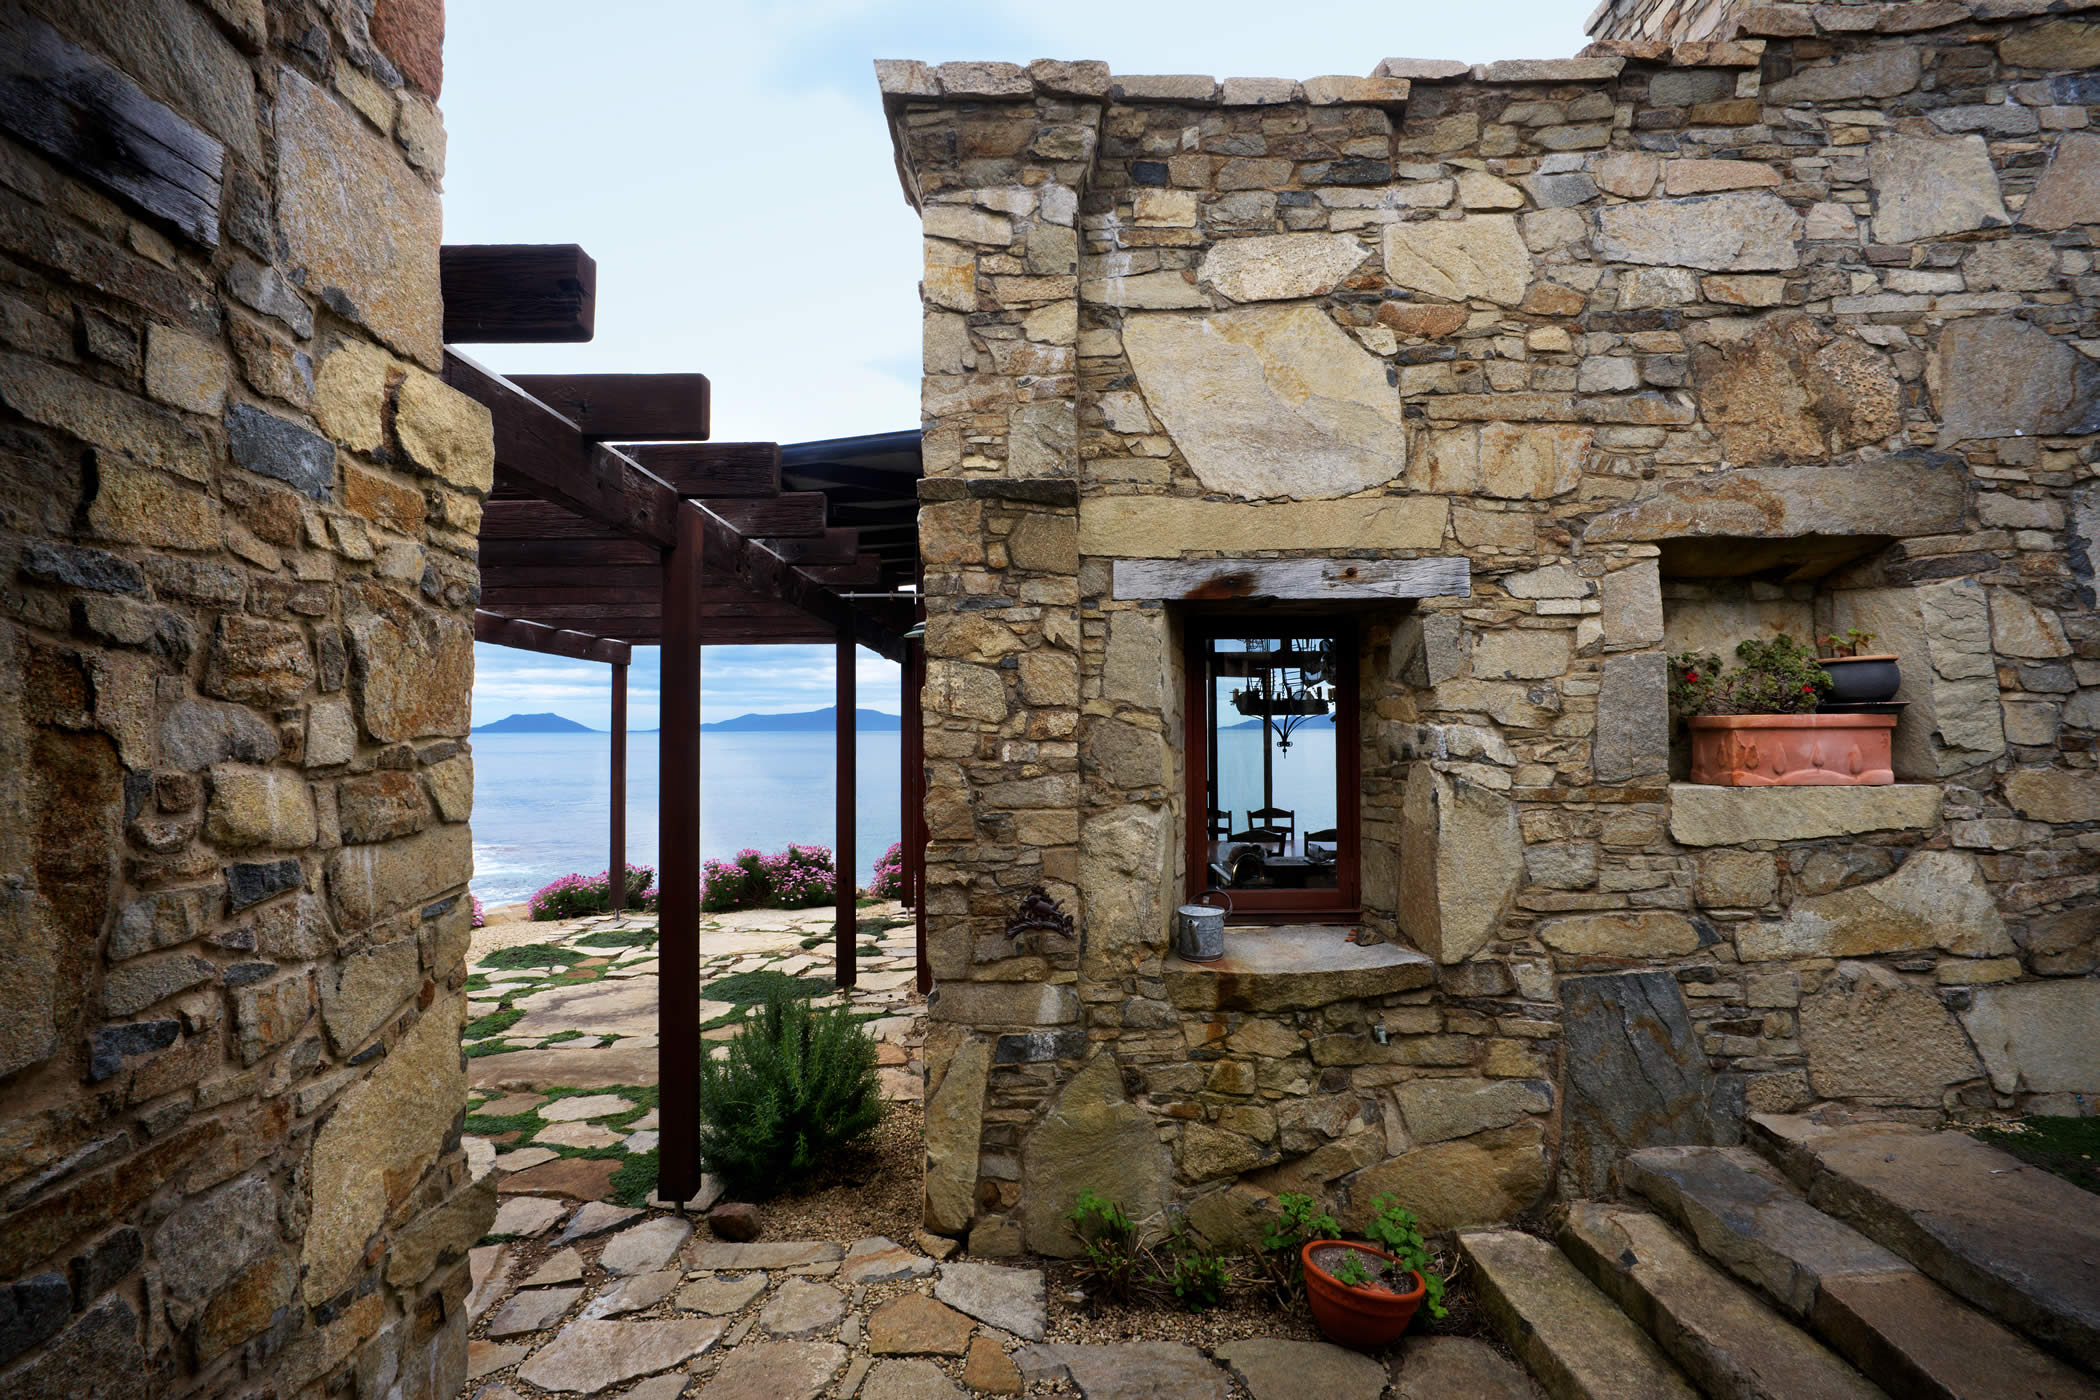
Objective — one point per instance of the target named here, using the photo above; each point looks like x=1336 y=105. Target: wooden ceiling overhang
x=802 y=544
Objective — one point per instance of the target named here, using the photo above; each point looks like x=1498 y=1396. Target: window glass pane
x=1273 y=780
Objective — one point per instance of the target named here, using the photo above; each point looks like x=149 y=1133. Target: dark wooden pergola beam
x=550 y=641
x=713 y=469
x=835 y=546
x=614 y=407
x=549 y=453
x=517 y=293
x=792 y=514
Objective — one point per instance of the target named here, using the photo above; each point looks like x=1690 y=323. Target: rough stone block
x=1870 y=1035
x=1635 y=1078
x=1462 y=858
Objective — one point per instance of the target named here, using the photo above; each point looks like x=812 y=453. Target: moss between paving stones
x=523 y=957
x=752 y=988
x=619 y=938
x=2065 y=1147
x=495 y=1023
x=635 y=1182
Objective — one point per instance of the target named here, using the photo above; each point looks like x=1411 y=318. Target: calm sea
x=541 y=802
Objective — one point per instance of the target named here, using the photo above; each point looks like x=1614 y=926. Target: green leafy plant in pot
x=1758 y=726
x=1366 y=1295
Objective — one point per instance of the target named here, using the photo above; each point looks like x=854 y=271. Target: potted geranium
x=1757 y=726
x=1858 y=676
x=1363 y=1296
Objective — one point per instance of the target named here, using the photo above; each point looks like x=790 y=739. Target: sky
x=727 y=165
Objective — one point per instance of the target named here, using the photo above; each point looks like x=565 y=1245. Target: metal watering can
x=1199 y=929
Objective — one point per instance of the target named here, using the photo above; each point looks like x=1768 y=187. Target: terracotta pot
x=1364 y=1318
x=1861 y=680
x=1792 y=750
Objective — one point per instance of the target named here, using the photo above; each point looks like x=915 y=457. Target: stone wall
x=237 y=527
x=1794 y=325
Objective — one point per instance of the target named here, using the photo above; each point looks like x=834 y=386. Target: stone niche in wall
x=1719 y=592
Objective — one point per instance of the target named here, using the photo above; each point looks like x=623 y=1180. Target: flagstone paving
x=591 y=1288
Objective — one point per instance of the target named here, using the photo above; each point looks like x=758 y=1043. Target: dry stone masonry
x=238 y=538
x=1750 y=318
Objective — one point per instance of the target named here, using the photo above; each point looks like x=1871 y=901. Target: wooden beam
x=713 y=469
x=550 y=641
x=497 y=579
x=549 y=453
x=1325 y=580
x=517 y=293
x=678 y=905
x=845 y=808
x=616 y=867
x=834 y=546
x=863 y=572
x=581 y=554
x=901 y=484
x=793 y=513
x=641 y=407
x=96 y=122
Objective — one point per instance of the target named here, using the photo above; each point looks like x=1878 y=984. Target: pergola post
x=847 y=790
x=678 y=903
x=915 y=796
x=616 y=869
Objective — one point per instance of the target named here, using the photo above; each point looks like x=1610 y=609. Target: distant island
x=803 y=721
x=799 y=722
x=534 y=724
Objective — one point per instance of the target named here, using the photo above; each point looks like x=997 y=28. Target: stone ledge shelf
x=1703 y=815
x=1294 y=968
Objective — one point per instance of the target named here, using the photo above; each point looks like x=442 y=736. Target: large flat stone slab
x=775 y=1371
x=563 y=1069
x=1753 y=1223
x=1127 y=1370
x=1636 y=1076
x=624 y=1007
x=1569 y=1334
x=1013 y=1300
x=1273 y=1368
x=2012 y=1239
x=589 y=1356
x=1907 y=494
x=1916 y=1338
x=1270 y=401
x=1444 y=1368
x=1294 y=968
x=1703 y=815
x=1714 y=1328
x=763 y=1254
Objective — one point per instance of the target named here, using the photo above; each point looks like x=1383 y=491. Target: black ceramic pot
x=1860 y=680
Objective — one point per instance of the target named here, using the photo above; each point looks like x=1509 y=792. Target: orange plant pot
x=1364 y=1318
x=1792 y=750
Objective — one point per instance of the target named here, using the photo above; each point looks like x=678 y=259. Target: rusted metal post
x=616 y=869
x=678 y=904
x=847 y=790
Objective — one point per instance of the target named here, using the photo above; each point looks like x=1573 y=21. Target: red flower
x=1807 y=685
x=1691 y=677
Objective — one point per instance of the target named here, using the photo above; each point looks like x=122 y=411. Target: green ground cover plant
x=797 y=1083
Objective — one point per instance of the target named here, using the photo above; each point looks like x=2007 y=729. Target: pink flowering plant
x=481 y=917
x=889 y=874
x=573 y=896
x=800 y=877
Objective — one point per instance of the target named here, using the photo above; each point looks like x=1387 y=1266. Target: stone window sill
x=1293 y=968
x=1702 y=815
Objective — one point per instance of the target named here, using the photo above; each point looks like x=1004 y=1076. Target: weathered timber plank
x=551 y=641
x=88 y=116
x=794 y=513
x=529 y=553
x=713 y=469
x=1332 y=580
x=625 y=406
x=866 y=570
x=517 y=293
x=834 y=546
x=547 y=452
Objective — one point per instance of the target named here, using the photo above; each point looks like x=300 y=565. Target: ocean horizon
x=541 y=801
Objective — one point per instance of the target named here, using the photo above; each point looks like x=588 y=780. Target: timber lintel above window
x=1296 y=580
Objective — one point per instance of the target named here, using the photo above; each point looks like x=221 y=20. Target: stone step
x=2010 y=1238
x=1900 y=1329
x=1573 y=1339
x=1731 y=1343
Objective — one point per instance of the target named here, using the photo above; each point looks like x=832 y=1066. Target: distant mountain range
x=803 y=721
x=534 y=724
x=800 y=722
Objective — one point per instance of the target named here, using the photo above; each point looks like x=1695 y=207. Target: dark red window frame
x=1344 y=903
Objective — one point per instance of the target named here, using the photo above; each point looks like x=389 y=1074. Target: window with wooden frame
x=1274 y=817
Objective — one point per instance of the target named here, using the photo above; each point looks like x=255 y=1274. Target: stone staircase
x=1817 y=1263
